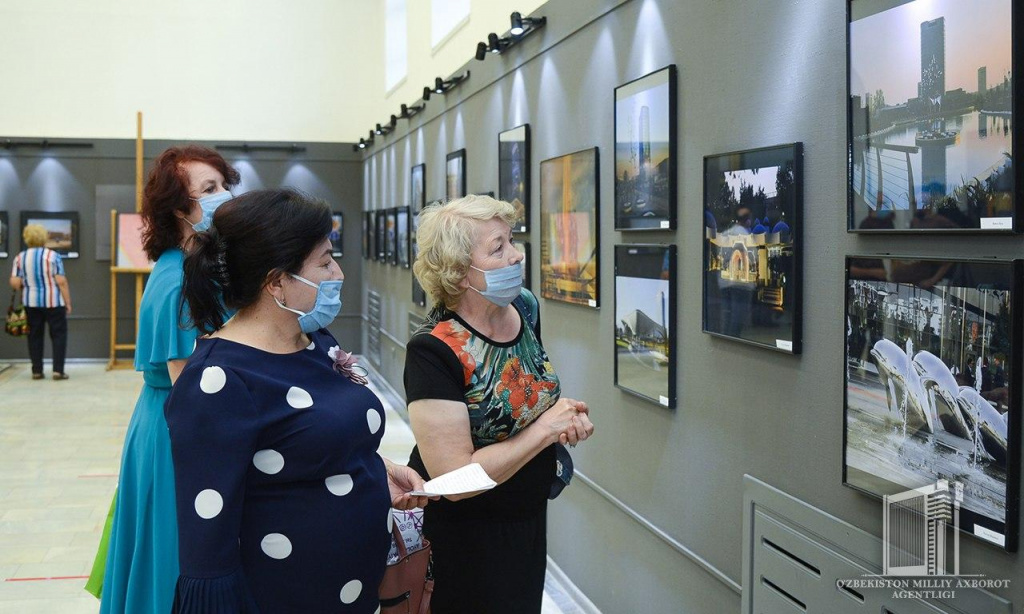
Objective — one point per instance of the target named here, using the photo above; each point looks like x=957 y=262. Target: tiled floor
x=60 y=447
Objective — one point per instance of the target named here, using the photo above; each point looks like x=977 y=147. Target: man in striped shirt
x=39 y=272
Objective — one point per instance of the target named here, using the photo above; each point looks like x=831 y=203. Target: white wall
x=214 y=69
x=255 y=70
x=425 y=63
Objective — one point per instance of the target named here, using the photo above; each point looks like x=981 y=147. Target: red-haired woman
x=184 y=188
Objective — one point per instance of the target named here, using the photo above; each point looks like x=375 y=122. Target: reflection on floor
x=60 y=447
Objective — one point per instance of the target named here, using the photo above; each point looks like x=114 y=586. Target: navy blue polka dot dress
x=282 y=500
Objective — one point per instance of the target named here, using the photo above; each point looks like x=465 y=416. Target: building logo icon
x=914 y=530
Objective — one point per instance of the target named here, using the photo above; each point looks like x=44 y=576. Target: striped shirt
x=38 y=267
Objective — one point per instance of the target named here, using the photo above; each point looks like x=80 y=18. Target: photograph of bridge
x=931 y=116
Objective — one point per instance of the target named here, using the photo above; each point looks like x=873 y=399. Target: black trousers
x=57 y=319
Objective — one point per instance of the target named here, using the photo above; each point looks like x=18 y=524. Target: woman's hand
x=401 y=480
x=568 y=421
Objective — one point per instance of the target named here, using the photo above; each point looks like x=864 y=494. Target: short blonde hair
x=35 y=235
x=445 y=238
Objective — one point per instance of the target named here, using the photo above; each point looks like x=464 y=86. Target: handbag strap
x=399 y=540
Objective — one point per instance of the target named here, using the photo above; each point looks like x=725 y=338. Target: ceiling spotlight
x=495 y=44
x=426 y=92
x=393 y=122
x=439 y=85
x=362 y=144
x=481 y=51
x=408 y=111
x=522 y=25
x=379 y=130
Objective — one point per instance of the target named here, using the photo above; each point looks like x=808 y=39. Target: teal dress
x=142 y=560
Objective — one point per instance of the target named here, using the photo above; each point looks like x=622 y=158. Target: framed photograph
x=933 y=383
x=455 y=175
x=130 y=251
x=419 y=295
x=402 y=229
x=645 y=279
x=753 y=213
x=418 y=188
x=391 y=237
x=569 y=228
x=367 y=235
x=524 y=246
x=61 y=229
x=5 y=234
x=931 y=114
x=514 y=171
x=380 y=232
x=645 y=158
x=335 y=236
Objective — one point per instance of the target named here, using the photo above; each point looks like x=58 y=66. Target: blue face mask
x=209 y=204
x=503 y=285
x=326 y=308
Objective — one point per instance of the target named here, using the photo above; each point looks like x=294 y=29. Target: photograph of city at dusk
x=931 y=116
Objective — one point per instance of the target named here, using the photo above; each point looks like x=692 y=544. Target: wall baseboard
x=557 y=582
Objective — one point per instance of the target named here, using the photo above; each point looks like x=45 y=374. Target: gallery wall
x=653 y=521
x=92 y=181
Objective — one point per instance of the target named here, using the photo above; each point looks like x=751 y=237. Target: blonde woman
x=39 y=273
x=481 y=389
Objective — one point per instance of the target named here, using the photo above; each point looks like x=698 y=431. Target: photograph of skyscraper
x=644 y=141
x=931 y=116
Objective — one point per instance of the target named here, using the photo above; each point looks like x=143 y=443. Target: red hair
x=166 y=192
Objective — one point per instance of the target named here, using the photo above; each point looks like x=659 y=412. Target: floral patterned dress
x=505 y=387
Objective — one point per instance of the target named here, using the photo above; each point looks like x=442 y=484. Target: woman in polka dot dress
x=283 y=501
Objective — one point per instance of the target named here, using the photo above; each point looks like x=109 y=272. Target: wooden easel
x=139 y=273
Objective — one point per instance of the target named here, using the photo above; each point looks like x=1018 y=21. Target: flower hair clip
x=345 y=364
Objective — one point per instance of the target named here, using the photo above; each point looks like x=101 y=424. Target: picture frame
x=455 y=174
x=5 y=234
x=391 y=237
x=645 y=152
x=131 y=253
x=367 y=235
x=514 y=171
x=380 y=234
x=569 y=230
x=933 y=383
x=61 y=227
x=645 y=322
x=524 y=247
x=402 y=231
x=929 y=138
x=752 y=246
x=417 y=188
x=419 y=295
x=337 y=227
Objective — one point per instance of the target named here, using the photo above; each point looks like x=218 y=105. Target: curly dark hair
x=166 y=192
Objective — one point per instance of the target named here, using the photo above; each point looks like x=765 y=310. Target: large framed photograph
x=367 y=235
x=380 y=233
x=391 y=237
x=645 y=280
x=5 y=233
x=455 y=175
x=337 y=227
x=569 y=236
x=753 y=203
x=933 y=383
x=418 y=188
x=402 y=232
x=514 y=171
x=61 y=230
x=931 y=116
x=524 y=247
x=645 y=159
x=419 y=296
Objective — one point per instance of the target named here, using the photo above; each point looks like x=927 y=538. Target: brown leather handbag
x=407 y=583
